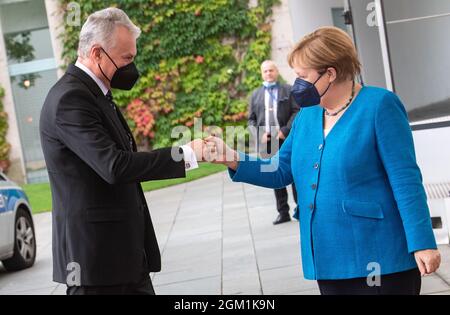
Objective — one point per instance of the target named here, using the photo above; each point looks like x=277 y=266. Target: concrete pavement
x=216 y=237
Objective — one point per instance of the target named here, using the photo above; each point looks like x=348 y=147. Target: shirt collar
x=99 y=82
x=270 y=85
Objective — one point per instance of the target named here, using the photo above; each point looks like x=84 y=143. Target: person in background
x=271 y=113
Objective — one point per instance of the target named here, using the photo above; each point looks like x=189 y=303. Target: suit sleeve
x=294 y=109
x=396 y=148
x=253 y=120
x=252 y=116
x=80 y=128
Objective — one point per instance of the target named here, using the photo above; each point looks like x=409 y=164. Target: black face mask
x=124 y=78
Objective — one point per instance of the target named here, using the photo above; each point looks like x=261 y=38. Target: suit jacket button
x=316 y=166
x=320 y=147
x=311 y=207
x=314 y=186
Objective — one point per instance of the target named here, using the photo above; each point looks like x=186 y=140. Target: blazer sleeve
x=270 y=173
x=396 y=149
x=79 y=126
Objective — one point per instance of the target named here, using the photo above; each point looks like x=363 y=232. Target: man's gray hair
x=99 y=29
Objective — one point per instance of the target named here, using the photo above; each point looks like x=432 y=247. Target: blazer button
x=316 y=166
x=311 y=207
x=314 y=186
x=320 y=147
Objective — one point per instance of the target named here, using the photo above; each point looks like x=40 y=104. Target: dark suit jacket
x=100 y=217
x=286 y=112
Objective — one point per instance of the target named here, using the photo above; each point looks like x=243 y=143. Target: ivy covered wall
x=5 y=147
x=197 y=58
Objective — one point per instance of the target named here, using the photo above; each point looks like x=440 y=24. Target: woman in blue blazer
x=364 y=220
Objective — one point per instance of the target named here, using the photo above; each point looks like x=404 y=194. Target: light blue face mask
x=269 y=85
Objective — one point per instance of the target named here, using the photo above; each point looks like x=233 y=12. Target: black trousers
x=403 y=283
x=281 y=195
x=145 y=287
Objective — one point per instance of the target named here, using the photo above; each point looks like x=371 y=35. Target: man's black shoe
x=282 y=218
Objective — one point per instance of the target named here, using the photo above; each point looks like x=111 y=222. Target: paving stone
x=216 y=237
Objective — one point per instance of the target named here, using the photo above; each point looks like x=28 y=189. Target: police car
x=17 y=235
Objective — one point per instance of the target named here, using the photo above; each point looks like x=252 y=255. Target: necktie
x=272 y=121
x=109 y=96
x=113 y=105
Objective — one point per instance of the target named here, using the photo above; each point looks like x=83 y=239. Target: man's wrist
x=190 y=159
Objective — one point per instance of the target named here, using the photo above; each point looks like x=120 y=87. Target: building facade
x=29 y=65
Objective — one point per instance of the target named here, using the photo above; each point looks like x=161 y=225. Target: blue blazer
x=362 y=205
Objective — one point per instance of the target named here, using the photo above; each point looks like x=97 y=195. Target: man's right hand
x=217 y=151
x=198 y=146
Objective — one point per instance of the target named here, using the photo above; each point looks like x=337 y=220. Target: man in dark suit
x=103 y=237
x=272 y=111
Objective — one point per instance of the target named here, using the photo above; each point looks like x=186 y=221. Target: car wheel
x=24 y=243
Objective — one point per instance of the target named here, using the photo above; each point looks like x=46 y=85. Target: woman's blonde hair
x=327 y=47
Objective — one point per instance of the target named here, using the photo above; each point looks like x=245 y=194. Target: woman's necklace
x=346 y=105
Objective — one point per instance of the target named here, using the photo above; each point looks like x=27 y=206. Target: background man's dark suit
x=286 y=112
x=100 y=217
x=287 y=109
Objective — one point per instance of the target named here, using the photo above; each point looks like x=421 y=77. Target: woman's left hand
x=428 y=261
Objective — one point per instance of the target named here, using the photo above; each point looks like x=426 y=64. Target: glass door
x=32 y=69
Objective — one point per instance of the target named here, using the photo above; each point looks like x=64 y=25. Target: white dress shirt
x=189 y=155
x=99 y=82
x=275 y=107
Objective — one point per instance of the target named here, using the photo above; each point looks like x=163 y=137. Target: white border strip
x=32 y=66
x=384 y=45
x=431 y=121
x=419 y=18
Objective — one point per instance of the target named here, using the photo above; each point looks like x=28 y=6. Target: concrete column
x=17 y=169
x=282 y=39
x=307 y=15
x=55 y=16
